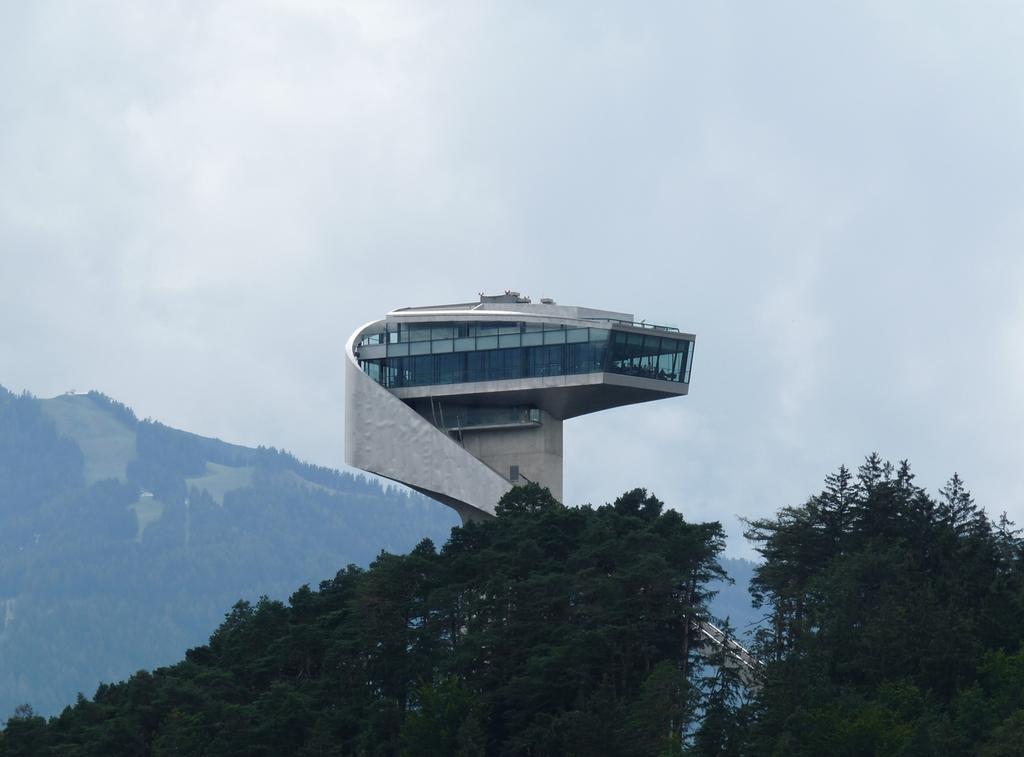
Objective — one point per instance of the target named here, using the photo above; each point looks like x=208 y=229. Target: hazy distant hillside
x=123 y=542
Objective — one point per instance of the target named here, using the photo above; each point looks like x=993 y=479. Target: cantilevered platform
x=463 y=401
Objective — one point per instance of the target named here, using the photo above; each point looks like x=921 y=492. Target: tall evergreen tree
x=549 y=631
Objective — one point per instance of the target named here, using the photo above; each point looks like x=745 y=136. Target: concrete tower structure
x=462 y=402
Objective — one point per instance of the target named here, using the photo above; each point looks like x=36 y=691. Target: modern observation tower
x=462 y=402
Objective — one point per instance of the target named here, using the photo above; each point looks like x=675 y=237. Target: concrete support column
x=536 y=450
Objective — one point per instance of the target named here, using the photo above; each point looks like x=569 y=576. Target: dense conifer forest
x=892 y=625
x=551 y=630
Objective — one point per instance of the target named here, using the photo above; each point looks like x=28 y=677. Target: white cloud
x=200 y=202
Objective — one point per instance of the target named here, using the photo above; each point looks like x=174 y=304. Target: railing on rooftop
x=643 y=325
x=427 y=332
x=469 y=417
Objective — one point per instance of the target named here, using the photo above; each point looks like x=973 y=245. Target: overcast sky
x=199 y=202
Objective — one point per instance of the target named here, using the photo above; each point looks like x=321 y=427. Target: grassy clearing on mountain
x=107 y=444
x=220 y=479
x=147 y=511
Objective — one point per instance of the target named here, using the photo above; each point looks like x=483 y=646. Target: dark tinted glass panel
x=545 y=361
x=421 y=370
x=648 y=356
x=476 y=366
x=668 y=366
x=564 y=351
x=441 y=345
x=417 y=333
x=510 y=364
x=586 y=357
x=450 y=369
x=466 y=417
x=373 y=370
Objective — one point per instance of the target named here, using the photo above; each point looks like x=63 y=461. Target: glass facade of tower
x=460 y=352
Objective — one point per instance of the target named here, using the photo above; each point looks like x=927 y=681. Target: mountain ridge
x=130 y=540
x=123 y=541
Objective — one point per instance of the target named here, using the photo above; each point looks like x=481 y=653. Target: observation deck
x=464 y=401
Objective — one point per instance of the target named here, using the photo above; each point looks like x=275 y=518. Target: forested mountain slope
x=893 y=621
x=123 y=541
x=549 y=631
